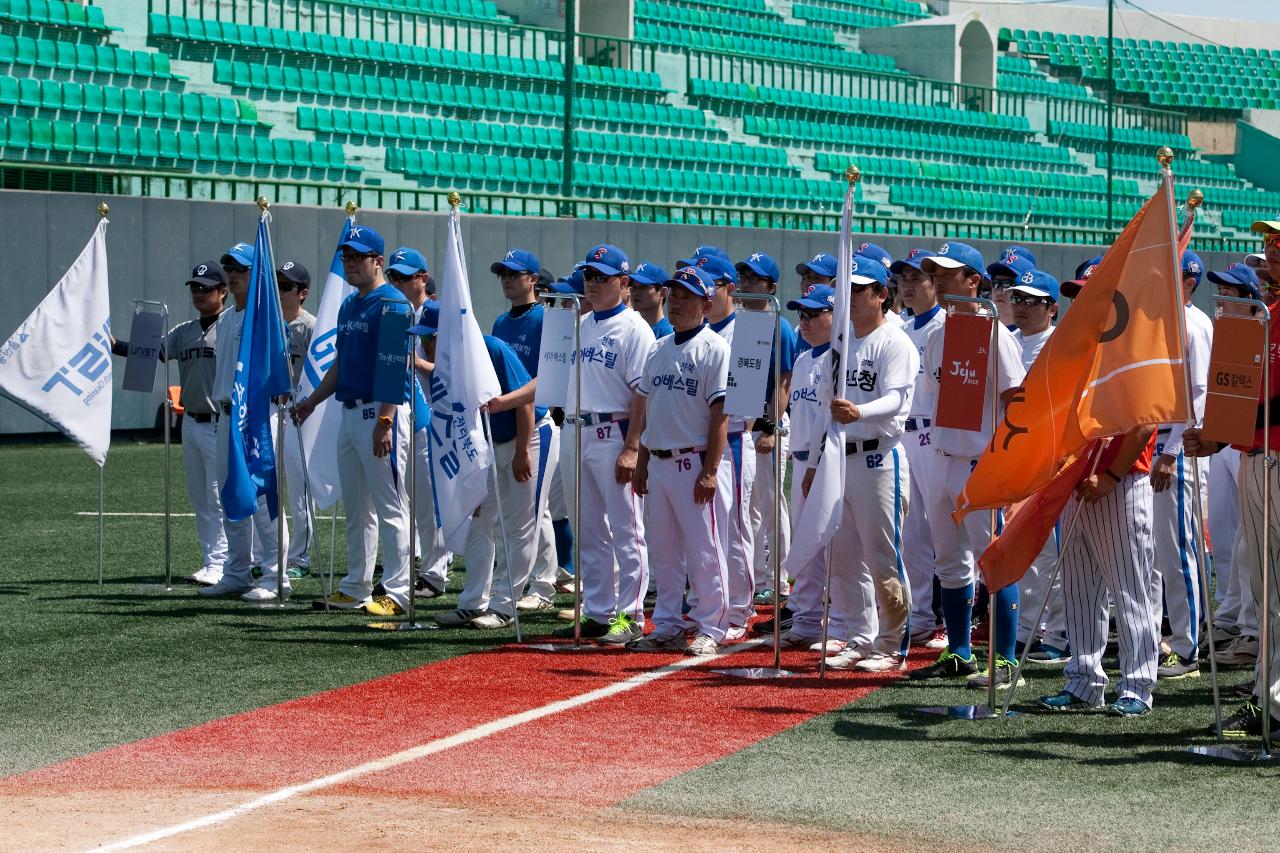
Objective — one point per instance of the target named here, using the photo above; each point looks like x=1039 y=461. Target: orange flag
x=1114 y=362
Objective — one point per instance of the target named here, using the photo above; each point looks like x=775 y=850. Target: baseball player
x=1014 y=263
x=1034 y=299
x=877 y=253
x=915 y=288
x=615 y=345
x=521 y=328
x=407 y=272
x=1177 y=558
x=372 y=437
x=880 y=375
x=648 y=294
x=294 y=283
x=958 y=270
x=237 y=577
x=684 y=383
x=193 y=344
x=758 y=273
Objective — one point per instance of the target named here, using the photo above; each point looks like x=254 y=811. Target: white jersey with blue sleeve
x=681 y=382
x=810 y=372
x=881 y=364
x=919 y=329
x=615 y=347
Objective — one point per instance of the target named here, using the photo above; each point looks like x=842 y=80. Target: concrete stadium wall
x=153 y=244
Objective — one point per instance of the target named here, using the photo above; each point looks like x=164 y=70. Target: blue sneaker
x=1065 y=701
x=1047 y=654
x=1128 y=706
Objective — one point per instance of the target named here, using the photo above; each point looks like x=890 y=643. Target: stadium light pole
x=1111 y=109
x=567 y=156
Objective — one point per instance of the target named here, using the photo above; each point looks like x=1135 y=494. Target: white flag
x=824 y=507
x=463 y=380
x=58 y=362
x=320 y=431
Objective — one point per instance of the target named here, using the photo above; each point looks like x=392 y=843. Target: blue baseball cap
x=1193 y=266
x=871 y=250
x=363 y=239
x=868 y=271
x=649 y=275
x=699 y=251
x=407 y=261
x=1015 y=263
x=572 y=283
x=241 y=254
x=913 y=259
x=817 y=297
x=1241 y=276
x=954 y=256
x=1039 y=283
x=696 y=280
x=1072 y=287
x=428 y=319
x=718 y=267
x=761 y=264
x=820 y=264
x=517 y=260
x=607 y=259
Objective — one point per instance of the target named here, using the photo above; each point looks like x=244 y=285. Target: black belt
x=1164 y=430
x=589 y=418
x=667 y=454
x=226 y=408
x=356 y=403
x=201 y=417
x=852 y=447
x=801 y=455
x=914 y=424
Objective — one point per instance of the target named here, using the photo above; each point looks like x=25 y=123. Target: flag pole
x=502 y=524
x=281 y=545
x=103 y=210
x=168 y=459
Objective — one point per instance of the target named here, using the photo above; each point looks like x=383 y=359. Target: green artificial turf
x=92 y=666
x=1040 y=782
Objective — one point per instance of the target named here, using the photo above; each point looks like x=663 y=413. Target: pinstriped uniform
x=1254 y=470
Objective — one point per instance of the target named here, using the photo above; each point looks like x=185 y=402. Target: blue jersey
x=511 y=375
x=357 y=341
x=522 y=331
x=662 y=328
x=789 y=348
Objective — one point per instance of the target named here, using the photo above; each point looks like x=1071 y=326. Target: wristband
x=764 y=426
x=1111 y=475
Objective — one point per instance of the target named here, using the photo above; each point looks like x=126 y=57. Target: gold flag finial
x=1195 y=198
x=351 y=208
x=1165 y=156
x=455 y=200
x=263 y=204
x=852 y=174
x=103 y=209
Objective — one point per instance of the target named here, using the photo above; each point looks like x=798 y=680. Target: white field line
x=422 y=750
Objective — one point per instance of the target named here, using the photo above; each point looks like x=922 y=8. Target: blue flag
x=262 y=372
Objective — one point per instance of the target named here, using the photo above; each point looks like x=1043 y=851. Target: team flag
x=1113 y=363
x=57 y=363
x=463 y=381
x=824 y=507
x=262 y=372
x=320 y=431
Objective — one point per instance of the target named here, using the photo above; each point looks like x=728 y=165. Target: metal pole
x=411 y=611
x=577 y=467
x=570 y=57
x=1268 y=465
x=502 y=525
x=1198 y=532
x=281 y=480
x=168 y=463
x=826 y=615
x=1111 y=118
x=333 y=558
x=775 y=555
x=102 y=499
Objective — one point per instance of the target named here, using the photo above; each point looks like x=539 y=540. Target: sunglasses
x=392 y=275
x=594 y=275
x=357 y=256
x=1027 y=299
x=231 y=268
x=288 y=286
x=204 y=288
x=806 y=314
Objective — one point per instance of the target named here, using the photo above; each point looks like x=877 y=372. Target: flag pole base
x=756 y=673
x=965 y=712
x=1239 y=754
x=403 y=626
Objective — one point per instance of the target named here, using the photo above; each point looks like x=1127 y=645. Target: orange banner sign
x=962 y=379
x=1235 y=375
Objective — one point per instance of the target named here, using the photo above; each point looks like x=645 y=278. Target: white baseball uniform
x=1236 y=612
x=1254 y=469
x=880 y=378
x=733 y=497
x=1174 y=520
x=917 y=441
x=681 y=382
x=615 y=565
x=301 y=510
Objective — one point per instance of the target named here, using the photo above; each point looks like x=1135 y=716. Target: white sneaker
x=734 y=634
x=834 y=646
x=846 y=658
x=532 y=603
x=702 y=646
x=878 y=663
x=938 y=642
x=224 y=586
x=259 y=593
x=1242 y=651
x=567 y=615
x=206 y=576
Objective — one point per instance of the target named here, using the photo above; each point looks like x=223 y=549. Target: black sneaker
x=425 y=588
x=1245 y=722
x=765 y=626
x=1244 y=691
x=1174 y=667
x=591 y=630
x=948 y=665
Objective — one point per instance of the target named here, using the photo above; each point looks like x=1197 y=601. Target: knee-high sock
x=957 y=612
x=564 y=544
x=1006 y=627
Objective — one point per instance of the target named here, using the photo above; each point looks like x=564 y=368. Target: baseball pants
x=1111 y=551
x=685 y=545
x=1235 y=612
x=917 y=539
x=733 y=503
x=1177 y=558
x=240 y=555
x=301 y=509
x=615 y=561
x=868 y=548
x=546 y=568
x=435 y=557
x=805 y=602
x=762 y=515
x=956 y=546
x=510 y=516
x=200 y=459
x=1254 y=471
x=377 y=505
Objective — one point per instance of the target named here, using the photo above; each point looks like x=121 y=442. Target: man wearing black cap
x=193 y=344
x=294 y=283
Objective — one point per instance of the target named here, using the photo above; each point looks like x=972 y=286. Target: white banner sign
x=749 y=364
x=555 y=367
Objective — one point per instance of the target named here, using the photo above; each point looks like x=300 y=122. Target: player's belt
x=201 y=418
x=589 y=418
x=852 y=447
x=667 y=454
x=356 y=403
x=1164 y=430
x=226 y=408
x=914 y=424
x=800 y=455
